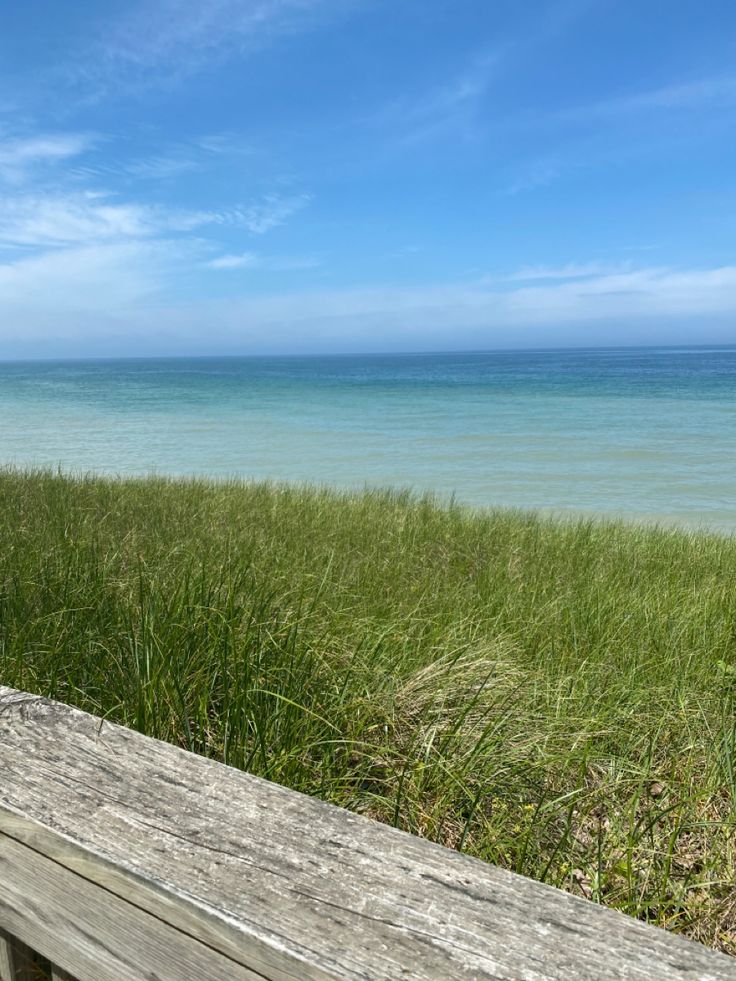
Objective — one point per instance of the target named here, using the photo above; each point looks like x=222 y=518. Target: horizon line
x=369 y=354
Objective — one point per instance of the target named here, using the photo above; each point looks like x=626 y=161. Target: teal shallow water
x=633 y=433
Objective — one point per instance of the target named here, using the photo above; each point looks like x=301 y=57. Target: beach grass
x=556 y=697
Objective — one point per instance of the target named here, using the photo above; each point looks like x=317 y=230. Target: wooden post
x=16 y=960
x=6 y=960
x=58 y=975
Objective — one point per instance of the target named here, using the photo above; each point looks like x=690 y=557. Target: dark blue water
x=637 y=432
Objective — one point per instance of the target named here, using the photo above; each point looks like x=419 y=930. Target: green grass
x=554 y=697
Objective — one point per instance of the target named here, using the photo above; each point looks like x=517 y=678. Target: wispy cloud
x=457 y=106
x=56 y=220
x=160 y=41
x=617 y=128
x=164 y=162
x=405 y=252
x=245 y=260
x=156 y=32
x=541 y=172
x=156 y=167
x=251 y=260
x=451 y=106
x=463 y=314
x=162 y=166
x=70 y=289
x=717 y=92
x=20 y=157
x=223 y=144
x=627 y=292
x=445 y=100
x=53 y=220
x=269 y=212
x=571 y=270
x=126 y=290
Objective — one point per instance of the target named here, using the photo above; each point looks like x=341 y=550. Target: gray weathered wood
x=96 y=936
x=273 y=883
x=15 y=958
x=58 y=975
x=7 y=968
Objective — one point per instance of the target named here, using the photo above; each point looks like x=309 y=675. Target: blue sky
x=258 y=176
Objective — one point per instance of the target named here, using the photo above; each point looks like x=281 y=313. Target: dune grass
x=554 y=697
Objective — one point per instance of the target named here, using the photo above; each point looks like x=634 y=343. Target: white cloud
x=85 y=291
x=158 y=41
x=404 y=252
x=246 y=260
x=172 y=160
x=628 y=294
x=625 y=127
x=467 y=87
x=538 y=173
x=224 y=143
x=19 y=156
x=250 y=260
x=422 y=313
x=571 y=270
x=52 y=220
x=450 y=107
x=271 y=211
x=161 y=166
x=123 y=292
x=715 y=92
x=162 y=30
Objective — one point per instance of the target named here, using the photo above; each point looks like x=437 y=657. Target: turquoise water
x=637 y=433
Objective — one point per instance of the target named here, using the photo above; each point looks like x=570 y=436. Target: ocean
x=634 y=433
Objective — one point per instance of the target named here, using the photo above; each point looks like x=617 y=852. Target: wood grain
x=7 y=968
x=16 y=959
x=279 y=885
x=58 y=975
x=96 y=935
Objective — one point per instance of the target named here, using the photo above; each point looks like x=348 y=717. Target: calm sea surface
x=637 y=433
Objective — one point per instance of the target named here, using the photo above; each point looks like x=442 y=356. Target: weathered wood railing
x=123 y=859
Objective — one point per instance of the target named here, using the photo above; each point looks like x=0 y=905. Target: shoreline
x=647 y=520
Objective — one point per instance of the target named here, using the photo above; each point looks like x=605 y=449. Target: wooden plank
x=94 y=934
x=286 y=886
x=16 y=959
x=58 y=975
x=7 y=968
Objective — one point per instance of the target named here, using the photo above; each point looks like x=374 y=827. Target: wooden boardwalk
x=123 y=858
